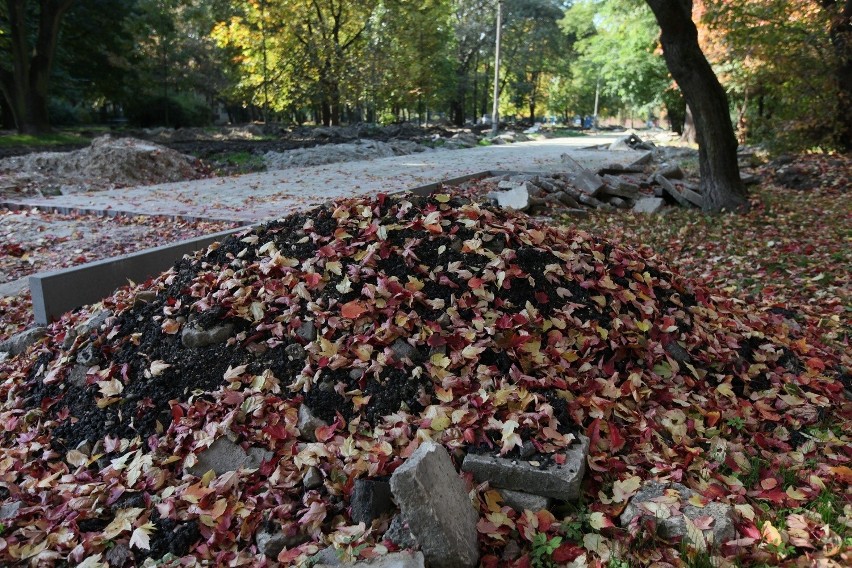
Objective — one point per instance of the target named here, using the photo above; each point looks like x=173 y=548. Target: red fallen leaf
x=815 y=364
x=616 y=440
x=545 y=520
x=475 y=283
x=312 y=279
x=490 y=561
x=567 y=552
x=353 y=309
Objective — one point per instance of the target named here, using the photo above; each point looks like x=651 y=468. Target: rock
x=87 y=327
x=528 y=449
x=512 y=551
x=295 y=352
x=88 y=356
x=619 y=187
x=403 y=350
x=193 y=337
x=557 y=481
x=313 y=479
x=672 y=191
x=434 y=500
x=399 y=533
x=392 y=560
x=465 y=139
x=581 y=178
x=642 y=160
x=630 y=142
x=371 y=498
x=666 y=503
x=649 y=205
x=578 y=213
x=77 y=376
x=9 y=510
x=307 y=331
x=327 y=557
x=144 y=297
x=749 y=179
x=308 y=424
x=670 y=171
x=620 y=203
x=519 y=501
x=677 y=352
x=223 y=456
x=118 y=555
x=270 y=544
x=19 y=342
x=517 y=198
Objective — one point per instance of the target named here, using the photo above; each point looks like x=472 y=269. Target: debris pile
x=107 y=164
x=336 y=153
x=377 y=375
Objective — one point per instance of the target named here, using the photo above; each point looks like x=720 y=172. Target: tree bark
x=721 y=185
x=840 y=34
x=25 y=87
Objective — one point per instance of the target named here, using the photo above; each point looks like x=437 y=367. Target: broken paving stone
x=371 y=498
x=670 y=171
x=666 y=504
x=77 y=376
x=672 y=191
x=520 y=501
x=313 y=478
x=270 y=544
x=434 y=500
x=620 y=203
x=517 y=198
x=399 y=533
x=144 y=297
x=649 y=205
x=193 y=337
x=295 y=352
x=308 y=424
x=87 y=327
x=9 y=510
x=223 y=456
x=581 y=178
x=88 y=356
x=556 y=481
x=19 y=342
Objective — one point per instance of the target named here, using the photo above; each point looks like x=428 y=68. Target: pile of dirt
x=108 y=163
x=392 y=320
x=335 y=153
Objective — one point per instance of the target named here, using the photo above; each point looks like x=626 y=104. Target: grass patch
x=46 y=140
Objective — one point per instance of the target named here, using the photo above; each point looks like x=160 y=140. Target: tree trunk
x=688 y=134
x=840 y=34
x=721 y=185
x=25 y=87
x=532 y=111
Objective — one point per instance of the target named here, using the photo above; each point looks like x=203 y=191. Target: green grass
x=47 y=140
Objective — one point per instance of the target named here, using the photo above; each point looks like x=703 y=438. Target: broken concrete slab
x=223 y=456
x=313 y=478
x=517 y=198
x=620 y=203
x=649 y=205
x=667 y=505
x=434 y=501
x=270 y=543
x=399 y=533
x=195 y=337
x=371 y=498
x=581 y=178
x=620 y=187
x=520 y=501
x=308 y=424
x=19 y=342
x=670 y=171
x=557 y=481
x=672 y=191
x=307 y=331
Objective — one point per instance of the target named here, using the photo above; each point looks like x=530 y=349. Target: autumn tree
x=717 y=145
x=29 y=32
x=840 y=33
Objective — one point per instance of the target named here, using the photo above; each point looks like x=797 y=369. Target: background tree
x=717 y=146
x=29 y=33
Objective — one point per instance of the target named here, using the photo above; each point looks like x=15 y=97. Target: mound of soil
x=108 y=163
x=335 y=153
x=392 y=319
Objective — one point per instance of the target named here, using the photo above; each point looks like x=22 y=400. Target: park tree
x=29 y=33
x=717 y=145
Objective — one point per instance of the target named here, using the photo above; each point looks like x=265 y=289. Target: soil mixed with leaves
x=398 y=319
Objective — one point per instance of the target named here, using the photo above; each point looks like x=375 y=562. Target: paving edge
x=54 y=293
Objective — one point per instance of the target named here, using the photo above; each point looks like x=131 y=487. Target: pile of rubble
x=645 y=184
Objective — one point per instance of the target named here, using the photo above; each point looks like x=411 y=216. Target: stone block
x=520 y=501
x=667 y=504
x=649 y=205
x=671 y=190
x=619 y=187
x=399 y=533
x=434 y=500
x=517 y=198
x=313 y=478
x=308 y=424
x=371 y=498
x=9 y=510
x=392 y=560
x=223 y=456
x=556 y=481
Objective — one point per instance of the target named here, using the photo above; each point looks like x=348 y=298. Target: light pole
x=495 y=112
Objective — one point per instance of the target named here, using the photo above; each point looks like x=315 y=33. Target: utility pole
x=597 y=97
x=495 y=112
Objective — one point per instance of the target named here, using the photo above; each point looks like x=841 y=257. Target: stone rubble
x=223 y=456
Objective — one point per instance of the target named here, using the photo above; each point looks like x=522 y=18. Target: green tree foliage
x=617 y=43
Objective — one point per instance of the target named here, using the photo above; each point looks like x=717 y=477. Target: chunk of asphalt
x=194 y=337
x=19 y=342
x=371 y=498
x=434 y=501
x=667 y=504
x=313 y=478
x=520 y=501
x=557 y=481
x=308 y=424
x=223 y=456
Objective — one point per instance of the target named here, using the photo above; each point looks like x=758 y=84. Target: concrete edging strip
x=54 y=293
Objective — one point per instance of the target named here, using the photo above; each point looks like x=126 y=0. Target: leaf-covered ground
x=516 y=332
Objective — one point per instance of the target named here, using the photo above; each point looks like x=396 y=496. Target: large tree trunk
x=25 y=88
x=717 y=145
x=840 y=33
